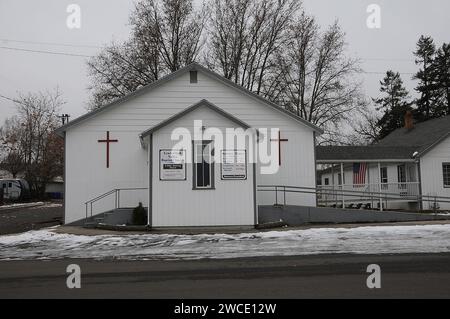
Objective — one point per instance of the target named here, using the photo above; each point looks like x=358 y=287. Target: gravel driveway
x=17 y=220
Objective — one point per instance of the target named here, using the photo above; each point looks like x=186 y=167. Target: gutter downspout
x=150 y=180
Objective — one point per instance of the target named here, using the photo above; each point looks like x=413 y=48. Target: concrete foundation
x=300 y=215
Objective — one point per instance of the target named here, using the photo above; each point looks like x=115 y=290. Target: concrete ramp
x=300 y=215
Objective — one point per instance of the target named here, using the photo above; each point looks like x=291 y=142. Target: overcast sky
x=41 y=26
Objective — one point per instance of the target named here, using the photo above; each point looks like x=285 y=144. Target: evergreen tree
x=441 y=67
x=394 y=103
x=425 y=53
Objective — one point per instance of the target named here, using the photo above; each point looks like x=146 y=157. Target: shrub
x=139 y=215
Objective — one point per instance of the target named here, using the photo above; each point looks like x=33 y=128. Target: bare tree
x=121 y=69
x=176 y=29
x=270 y=47
x=11 y=157
x=29 y=138
x=245 y=36
x=365 y=128
x=166 y=35
x=319 y=81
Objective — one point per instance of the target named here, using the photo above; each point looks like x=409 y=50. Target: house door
x=401 y=176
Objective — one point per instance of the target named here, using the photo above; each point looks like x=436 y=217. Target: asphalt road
x=330 y=276
x=18 y=220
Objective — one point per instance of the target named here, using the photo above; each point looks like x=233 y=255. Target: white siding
x=175 y=203
x=87 y=176
x=86 y=173
x=431 y=173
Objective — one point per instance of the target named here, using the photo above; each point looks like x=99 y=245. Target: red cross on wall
x=107 y=141
x=279 y=140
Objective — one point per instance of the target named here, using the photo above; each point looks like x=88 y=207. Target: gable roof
x=193 y=108
x=363 y=153
x=423 y=137
x=191 y=67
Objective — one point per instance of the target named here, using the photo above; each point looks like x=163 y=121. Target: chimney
x=409 y=122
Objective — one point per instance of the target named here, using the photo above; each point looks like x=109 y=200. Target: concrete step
x=90 y=225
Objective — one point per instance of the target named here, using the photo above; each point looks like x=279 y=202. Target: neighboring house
x=122 y=152
x=55 y=188
x=408 y=169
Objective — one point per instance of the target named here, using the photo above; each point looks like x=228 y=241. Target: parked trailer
x=15 y=189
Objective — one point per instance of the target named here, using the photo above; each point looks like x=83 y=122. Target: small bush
x=139 y=215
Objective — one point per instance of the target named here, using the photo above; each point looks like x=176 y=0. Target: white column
x=379 y=186
x=332 y=183
x=369 y=185
x=342 y=185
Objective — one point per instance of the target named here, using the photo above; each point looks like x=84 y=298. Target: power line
x=47 y=52
x=7 y=98
x=53 y=43
x=90 y=56
x=384 y=73
x=388 y=59
x=11 y=99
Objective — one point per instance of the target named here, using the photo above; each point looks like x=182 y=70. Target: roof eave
x=191 y=109
x=384 y=160
x=165 y=79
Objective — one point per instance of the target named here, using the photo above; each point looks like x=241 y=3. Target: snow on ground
x=47 y=205
x=18 y=205
x=33 y=205
x=45 y=244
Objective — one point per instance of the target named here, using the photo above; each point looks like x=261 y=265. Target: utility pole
x=64 y=118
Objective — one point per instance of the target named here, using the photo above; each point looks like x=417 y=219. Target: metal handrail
x=116 y=192
x=349 y=193
x=336 y=190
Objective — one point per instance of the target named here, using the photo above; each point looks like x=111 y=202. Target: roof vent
x=193 y=76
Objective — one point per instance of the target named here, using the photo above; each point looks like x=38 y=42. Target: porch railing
x=407 y=191
x=354 y=195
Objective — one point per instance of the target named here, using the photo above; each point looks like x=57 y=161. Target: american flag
x=359 y=173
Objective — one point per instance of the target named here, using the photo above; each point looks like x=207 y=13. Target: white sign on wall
x=172 y=165
x=234 y=164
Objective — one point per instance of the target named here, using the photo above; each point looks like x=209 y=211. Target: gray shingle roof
x=328 y=153
x=422 y=136
x=400 y=144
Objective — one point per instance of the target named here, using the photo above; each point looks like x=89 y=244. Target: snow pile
x=19 y=205
x=45 y=244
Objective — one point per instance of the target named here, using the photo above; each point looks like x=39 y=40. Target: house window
x=203 y=165
x=327 y=181
x=446 y=174
x=193 y=76
x=339 y=179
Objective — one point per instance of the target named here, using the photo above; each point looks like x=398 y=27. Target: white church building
x=192 y=147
